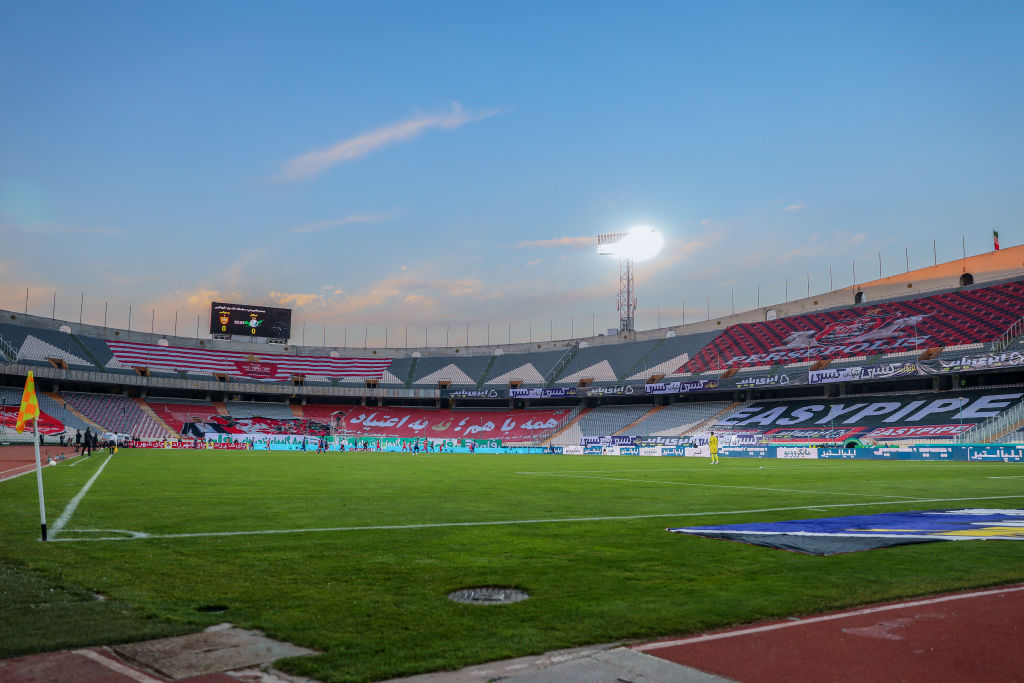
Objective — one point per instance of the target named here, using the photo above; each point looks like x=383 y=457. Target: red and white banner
x=48 y=424
x=263 y=366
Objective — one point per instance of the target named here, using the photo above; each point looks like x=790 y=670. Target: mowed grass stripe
x=374 y=602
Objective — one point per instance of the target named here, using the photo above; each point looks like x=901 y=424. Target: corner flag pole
x=39 y=481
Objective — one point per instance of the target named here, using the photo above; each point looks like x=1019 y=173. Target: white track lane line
x=73 y=505
x=816 y=620
x=716 y=486
x=137 y=535
x=117 y=666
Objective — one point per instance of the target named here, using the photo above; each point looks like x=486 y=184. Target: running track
x=970 y=636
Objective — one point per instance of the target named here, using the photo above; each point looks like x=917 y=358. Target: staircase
x=652 y=411
x=703 y=426
x=579 y=416
x=1008 y=337
x=71 y=409
x=222 y=408
x=566 y=358
x=297 y=411
x=154 y=417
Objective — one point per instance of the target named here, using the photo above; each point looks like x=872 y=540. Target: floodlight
x=637 y=244
x=640 y=243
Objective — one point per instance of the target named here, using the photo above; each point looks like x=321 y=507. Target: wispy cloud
x=315 y=162
x=534 y=262
x=796 y=207
x=318 y=226
x=557 y=242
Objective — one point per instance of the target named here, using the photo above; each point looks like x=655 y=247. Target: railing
x=547 y=433
x=562 y=362
x=992 y=427
x=267 y=389
x=7 y=350
x=1007 y=337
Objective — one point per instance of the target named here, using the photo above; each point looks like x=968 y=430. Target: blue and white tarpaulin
x=833 y=535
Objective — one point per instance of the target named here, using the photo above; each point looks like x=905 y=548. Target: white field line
x=1011 y=476
x=73 y=505
x=716 y=486
x=118 y=667
x=647 y=647
x=135 y=535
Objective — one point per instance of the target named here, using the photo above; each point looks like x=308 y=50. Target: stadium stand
x=943 y=320
x=177 y=412
x=910 y=415
x=602 y=421
x=11 y=398
x=605 y=364
x=115 y=413
x=241 y=410
x=675 y=419
x=459 y=372
x=529 y=368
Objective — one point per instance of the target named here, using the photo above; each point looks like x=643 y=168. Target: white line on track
x=716 y=486
x=815 y=620
x=136 y=535
x=73 y=505
x=118 y=667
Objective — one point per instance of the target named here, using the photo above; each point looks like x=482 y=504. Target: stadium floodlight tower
x=637 y=244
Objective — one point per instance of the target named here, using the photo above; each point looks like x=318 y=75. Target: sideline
x=73 y=505
x=138 y=535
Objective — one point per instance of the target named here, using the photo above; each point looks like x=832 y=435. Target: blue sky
x=436 y=164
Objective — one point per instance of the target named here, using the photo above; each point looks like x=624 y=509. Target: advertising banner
x=543 y=392
x=847 y=374
x=476 y=393
x=991 y=361
x=767 y=381
x=610 y=441
x=796 y=453
x=889 y=370
x=681 y=387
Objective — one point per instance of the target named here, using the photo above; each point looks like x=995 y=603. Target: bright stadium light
x=637 y=244
x=640 y=244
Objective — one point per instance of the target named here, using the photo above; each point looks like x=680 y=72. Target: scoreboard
x=250 y=321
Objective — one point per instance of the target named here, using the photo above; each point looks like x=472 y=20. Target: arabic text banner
x=508 y=425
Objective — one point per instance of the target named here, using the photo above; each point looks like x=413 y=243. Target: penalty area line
x=141 y=535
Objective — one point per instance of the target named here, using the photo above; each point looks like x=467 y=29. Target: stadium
x=923 y=366
x=461 y=342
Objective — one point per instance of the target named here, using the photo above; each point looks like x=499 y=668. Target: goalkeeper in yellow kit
x=713 y=447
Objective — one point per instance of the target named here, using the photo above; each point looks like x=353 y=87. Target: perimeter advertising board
x=250 y=321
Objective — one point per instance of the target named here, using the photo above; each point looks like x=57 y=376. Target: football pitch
x=354 y=554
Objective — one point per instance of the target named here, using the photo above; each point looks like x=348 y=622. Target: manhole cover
x=488 y=595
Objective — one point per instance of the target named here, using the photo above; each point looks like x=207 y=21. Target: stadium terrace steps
x=571 y=425
x=486 y=372
x=115 y=413
x=674 y=419
x=651 y=413
x=704 y=425
x=222 y=408
x=526 y=373
x=297 y=411
x=57 y=399
x=154 y=417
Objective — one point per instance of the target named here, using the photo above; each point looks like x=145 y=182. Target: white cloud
x=796 y=207
x=318 y=226
x=315 y=162
x=534 y=262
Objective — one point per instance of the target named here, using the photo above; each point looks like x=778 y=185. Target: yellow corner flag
x=29 y=409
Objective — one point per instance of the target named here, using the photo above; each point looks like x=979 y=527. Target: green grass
x=373 y=601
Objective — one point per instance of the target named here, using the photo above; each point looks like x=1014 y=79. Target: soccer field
x=354 y=554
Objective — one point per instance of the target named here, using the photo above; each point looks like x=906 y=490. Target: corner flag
x=995 y=239
x=29 y=409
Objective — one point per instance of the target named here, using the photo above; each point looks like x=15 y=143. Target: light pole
x=638 y=244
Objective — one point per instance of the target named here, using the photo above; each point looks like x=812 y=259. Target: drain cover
x=488 y=595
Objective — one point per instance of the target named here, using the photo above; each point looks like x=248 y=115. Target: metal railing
x=1007 y=337
x=562 y=362
x=993 y=427
x=265 y=389
x=7 y=350
x=548 y=433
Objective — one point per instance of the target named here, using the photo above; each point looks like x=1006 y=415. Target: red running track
x=971 y=636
